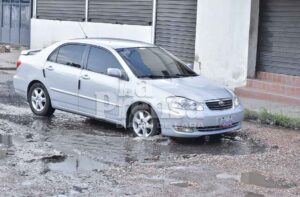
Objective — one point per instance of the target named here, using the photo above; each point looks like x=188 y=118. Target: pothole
x=226 y=144
x=255 y=178
x=6 y=140
x=252 y=194
x=5 y=143
x=75 y=164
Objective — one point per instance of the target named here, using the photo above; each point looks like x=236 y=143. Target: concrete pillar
x=34 y=8
x=222 y=40
x=253 y=38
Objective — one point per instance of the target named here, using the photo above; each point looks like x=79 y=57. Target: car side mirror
x=115 y=72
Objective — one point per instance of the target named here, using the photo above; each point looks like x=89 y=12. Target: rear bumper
x=20 y=86
x=202 y=123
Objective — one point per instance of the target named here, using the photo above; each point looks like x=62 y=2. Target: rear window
x=53 y=56
x=71 y=55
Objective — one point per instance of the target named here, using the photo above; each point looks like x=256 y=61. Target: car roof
x=114 y=43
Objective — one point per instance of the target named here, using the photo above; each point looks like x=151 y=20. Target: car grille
x=216 y=128
x=220 y=104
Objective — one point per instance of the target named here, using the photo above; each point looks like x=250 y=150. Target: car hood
x=195 y=88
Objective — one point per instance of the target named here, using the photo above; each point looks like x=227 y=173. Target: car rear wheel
x=143 y=121
x=39 y=100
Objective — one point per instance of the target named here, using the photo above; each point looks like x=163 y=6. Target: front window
x=153 y=62
x=100 y=60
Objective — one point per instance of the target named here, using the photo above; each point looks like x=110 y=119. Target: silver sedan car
x=137 y=85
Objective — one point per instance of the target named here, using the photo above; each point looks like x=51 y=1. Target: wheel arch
x=30 y=85
x=136 y=104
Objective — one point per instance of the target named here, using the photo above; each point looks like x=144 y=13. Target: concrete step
x=279 y=78
x=255 y=93
x=274 y=87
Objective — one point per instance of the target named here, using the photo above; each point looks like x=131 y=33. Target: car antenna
x=83 y=31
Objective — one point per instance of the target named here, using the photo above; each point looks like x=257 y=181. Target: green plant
x=273 y=118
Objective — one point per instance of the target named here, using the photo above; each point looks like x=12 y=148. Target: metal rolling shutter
x=132 y=12
x=68 y=10
x=176 y=27
x=279 y=37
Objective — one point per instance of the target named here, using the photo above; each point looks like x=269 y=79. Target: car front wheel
x=39 y=100
x=143 y=121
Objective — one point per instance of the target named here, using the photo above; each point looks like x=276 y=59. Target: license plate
x=225 y=122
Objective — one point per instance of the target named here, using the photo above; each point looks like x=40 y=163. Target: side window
x=53 y=56
x=100 y=59
x=71 y=55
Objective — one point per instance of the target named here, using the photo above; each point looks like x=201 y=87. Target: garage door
x=279 y=37
x=15 y=21
x=130 y=12
x=176 y=27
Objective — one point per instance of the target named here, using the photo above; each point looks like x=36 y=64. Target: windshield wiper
x=153 y=76
x=186 y=75
x=166 y=76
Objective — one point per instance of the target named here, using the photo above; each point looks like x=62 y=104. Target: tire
x=39 y=100
x=143 y=121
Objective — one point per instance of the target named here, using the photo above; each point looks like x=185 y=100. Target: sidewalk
x=290 y=110
x=8 y=60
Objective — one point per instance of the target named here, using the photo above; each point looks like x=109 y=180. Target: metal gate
x=15 y=22
x=176 y=27
x=279 y=37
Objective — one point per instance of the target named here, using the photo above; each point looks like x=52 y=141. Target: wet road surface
x=73 y=155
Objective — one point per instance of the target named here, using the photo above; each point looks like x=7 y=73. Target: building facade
x=228 y=41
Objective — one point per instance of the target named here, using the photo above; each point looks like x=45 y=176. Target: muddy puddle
x=5 y=142
x=8 y=96
x=252 y=194
x=75 y=164
x=255 y=178
x=95 y=144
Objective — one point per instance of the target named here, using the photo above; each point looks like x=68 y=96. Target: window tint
x=71 y=55
x=154 y=63
x=100 y=59
x=52 y=57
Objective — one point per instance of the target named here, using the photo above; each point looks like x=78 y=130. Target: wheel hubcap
x=38 y=99
x=143 y=123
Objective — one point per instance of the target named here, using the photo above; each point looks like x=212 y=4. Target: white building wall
x=222 y=40
x=222 y=37
x=46 y=32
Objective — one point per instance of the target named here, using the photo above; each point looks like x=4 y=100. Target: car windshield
x=154 y=62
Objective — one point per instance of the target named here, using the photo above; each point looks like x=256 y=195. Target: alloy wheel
x=143 y=123
x=38 y=99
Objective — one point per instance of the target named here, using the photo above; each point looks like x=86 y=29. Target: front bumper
x=202 y=123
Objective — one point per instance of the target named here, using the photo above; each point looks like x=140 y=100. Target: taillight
x=19 y=63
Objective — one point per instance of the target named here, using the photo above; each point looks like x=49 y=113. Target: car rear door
x=62 y=72
x=99 y=94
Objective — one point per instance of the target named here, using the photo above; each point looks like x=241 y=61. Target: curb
x=7 y=68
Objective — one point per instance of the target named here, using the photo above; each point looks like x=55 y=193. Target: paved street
x=70 y=155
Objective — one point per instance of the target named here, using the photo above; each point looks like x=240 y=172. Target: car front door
x=99 y=94
x=62 y=72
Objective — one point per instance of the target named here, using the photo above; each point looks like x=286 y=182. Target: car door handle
x=85 y=77
x=50 y=68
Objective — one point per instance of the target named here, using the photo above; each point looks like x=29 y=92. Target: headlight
x=184 y=103
x=236 y=101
